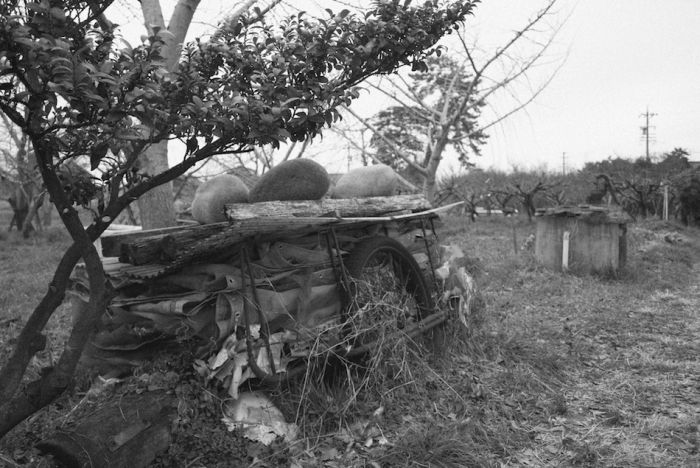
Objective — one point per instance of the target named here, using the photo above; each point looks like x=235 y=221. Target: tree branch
x=374 y=158
x=478 y=72
x=178 y=26
x=397 y=151
x=152 y=15
x=418 y=101
x=263 y=12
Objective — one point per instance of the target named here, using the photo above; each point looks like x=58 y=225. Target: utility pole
x=563 y=163
x=646 y=129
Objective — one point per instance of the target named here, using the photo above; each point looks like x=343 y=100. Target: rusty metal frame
x=345 y=285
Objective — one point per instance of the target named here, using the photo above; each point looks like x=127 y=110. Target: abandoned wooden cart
x=279 y=284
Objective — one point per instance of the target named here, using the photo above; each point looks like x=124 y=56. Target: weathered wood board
x=112 y=241
x=342 y=208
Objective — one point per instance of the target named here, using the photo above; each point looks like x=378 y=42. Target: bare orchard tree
x=440 y=106
x=77 y=92
x=528 y=191
x=472 y=189
x=20 y=182
x=638 y=184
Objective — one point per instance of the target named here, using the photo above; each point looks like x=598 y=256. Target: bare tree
x=20 y=182
x=471 y=189
x=440 y=107
x=527 y=193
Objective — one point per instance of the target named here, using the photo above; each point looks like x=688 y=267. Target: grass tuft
x=437 y=445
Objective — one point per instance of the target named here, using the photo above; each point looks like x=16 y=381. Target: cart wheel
x=388 y=293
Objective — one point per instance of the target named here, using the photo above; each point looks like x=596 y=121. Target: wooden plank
x=112 y=241
x=351 y=207
x=407 y=216
x=180 y=246
x=164 y=245
x=590 y=213
x=258 y=229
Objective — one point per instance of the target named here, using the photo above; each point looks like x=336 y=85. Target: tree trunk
x=28 y=228
x=156 y=207
x=20 y=209
x=58 y=379
x=430 y=183
x=16 y=406
x=529 y=205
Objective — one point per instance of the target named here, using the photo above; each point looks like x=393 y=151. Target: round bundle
x=298 y=179
x=212 y=196
x=378 y=180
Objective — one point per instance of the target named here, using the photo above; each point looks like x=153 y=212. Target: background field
x=553 y=370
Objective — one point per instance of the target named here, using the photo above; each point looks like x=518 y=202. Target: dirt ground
x=553 y=370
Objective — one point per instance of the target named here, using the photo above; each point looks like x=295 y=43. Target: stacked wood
x=166 y=247
x=177 y=249
x=177 y=246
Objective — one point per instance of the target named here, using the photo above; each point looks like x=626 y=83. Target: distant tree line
x=636 y=185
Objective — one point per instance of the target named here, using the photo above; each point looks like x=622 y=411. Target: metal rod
x=264 y=326
x=410 y=332
x=343 y=272
x=336 y=271
x=427 y=250
x=248 y=339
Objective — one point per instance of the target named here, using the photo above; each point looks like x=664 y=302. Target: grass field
x=554 y=369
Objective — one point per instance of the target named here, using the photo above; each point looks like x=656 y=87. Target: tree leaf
x=97 y=153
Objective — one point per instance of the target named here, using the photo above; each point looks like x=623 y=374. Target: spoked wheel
x=389 y=297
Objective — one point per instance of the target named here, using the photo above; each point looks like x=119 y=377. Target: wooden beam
x=351 y=207
x=112 y=240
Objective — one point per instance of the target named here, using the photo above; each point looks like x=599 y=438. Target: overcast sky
x=624 y=55
x=621 y=57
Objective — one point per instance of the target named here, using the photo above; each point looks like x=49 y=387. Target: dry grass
x=554 y=369
x=26 y=267
x=604 y=372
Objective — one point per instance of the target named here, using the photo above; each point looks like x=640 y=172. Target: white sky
x=624 y=55
x=621 y=56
